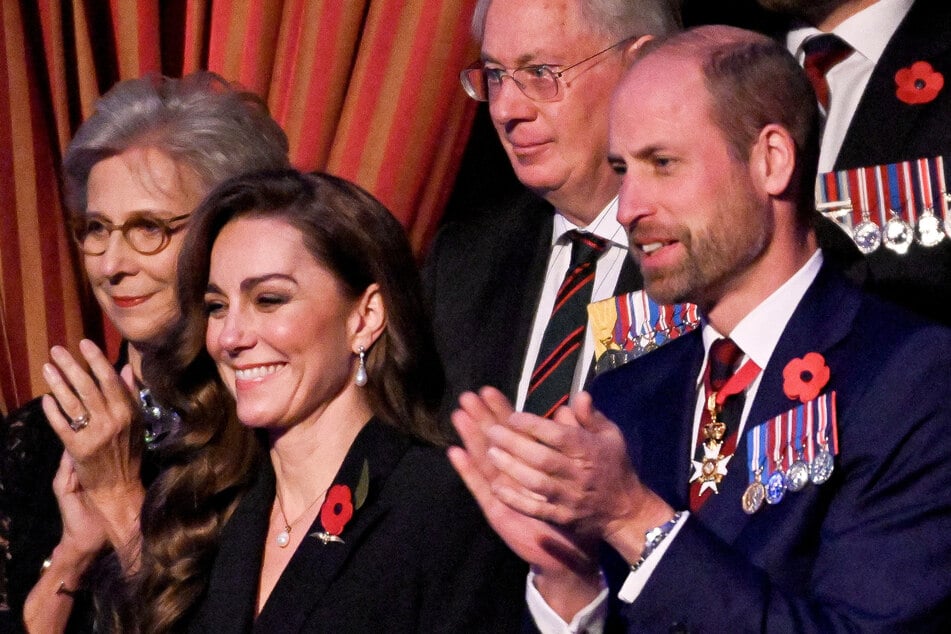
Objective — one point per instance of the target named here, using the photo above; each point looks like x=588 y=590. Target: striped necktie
x=550 y=384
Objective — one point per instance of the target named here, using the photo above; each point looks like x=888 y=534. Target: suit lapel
x=822 y=319
x=230 y=599
x=315 y=565
x=922 y=36
x=535 y=258
x=668 y=439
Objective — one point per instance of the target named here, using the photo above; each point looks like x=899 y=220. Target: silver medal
x=646 y=342
x=775 y=487
x=930 y=230
x=822 y=466
x=867 y=235
x=797 y=477
x=898 y=234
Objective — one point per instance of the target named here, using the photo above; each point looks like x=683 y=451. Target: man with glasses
x=497 y=278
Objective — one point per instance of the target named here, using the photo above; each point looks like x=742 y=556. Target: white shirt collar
x=758 y=333
x=605 y=225
x=868 y=31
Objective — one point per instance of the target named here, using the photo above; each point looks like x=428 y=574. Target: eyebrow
x=251 y=282
x=648 y=151
x=158 y=213
x=527 y=59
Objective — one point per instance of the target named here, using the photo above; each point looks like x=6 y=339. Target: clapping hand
x=95 y=415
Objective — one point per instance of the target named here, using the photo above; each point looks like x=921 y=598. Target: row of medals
x=641 y=345
x=897 y=234
x=795 y=478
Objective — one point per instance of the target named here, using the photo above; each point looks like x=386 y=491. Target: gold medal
x=754 y=496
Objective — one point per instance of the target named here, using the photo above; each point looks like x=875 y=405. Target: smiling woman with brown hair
x=303 y=332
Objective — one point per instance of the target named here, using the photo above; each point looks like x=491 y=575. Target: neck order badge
x=723 y=394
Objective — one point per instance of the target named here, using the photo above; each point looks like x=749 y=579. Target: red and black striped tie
x=564 y=335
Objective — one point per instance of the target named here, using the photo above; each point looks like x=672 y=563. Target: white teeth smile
x=650 y=248
x=257 y=372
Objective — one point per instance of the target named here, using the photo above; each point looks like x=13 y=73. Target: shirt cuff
x=637 y=579
x=589 y=619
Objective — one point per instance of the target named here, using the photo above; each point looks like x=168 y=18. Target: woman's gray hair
x=616 y=19
x=201 y=121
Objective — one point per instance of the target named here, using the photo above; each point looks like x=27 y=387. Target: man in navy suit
x=547 y=70
x=804 y=488
x=879 y=112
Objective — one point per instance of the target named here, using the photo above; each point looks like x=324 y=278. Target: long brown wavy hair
x=354 y=237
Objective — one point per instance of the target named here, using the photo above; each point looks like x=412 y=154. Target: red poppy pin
x=804 y=378
x=919 y=83
x=339 y=506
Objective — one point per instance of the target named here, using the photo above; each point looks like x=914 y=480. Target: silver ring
x=79 y=423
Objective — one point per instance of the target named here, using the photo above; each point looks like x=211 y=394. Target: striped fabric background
x=366 y=89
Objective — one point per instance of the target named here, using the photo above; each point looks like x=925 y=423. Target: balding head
x=752 y=82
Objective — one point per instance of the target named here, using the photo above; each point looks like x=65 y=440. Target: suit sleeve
x=473 y=583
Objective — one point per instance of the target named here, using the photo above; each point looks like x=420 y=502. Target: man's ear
x=773 y=159
x=368 y=318
x=633 y=49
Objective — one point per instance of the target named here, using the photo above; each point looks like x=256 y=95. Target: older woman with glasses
x=133 y=173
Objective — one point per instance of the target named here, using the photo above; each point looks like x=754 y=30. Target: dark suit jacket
x=483 y=280
x=885 y=130
x=417 y=556
x=871 y=548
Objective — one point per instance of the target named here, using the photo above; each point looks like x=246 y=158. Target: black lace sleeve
x=30 y=525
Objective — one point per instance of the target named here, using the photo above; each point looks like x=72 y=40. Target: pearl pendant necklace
x=284 y=537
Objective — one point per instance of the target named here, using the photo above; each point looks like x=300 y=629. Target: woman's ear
x=368 y=318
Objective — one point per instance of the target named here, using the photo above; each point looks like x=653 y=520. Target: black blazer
x=417 y=556
x=885 y=130
x=867 y=551
x=483 y=279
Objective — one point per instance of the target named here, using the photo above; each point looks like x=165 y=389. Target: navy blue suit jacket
x=869 y=550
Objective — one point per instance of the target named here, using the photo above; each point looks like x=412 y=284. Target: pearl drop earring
x=361 y=378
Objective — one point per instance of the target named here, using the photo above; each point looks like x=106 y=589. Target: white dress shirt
x=757 y=335
x=867 y=32
x=607 y=271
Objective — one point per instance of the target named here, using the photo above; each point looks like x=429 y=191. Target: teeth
x=256 y=372
x=650 y=248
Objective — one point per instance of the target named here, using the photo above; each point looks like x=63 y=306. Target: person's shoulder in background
x=29 y=517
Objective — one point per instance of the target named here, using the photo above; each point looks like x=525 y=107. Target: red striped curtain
x=366 y=89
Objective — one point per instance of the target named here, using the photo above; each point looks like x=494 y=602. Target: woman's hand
x=84 y=532
x=50 y=601
x=95 y=415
